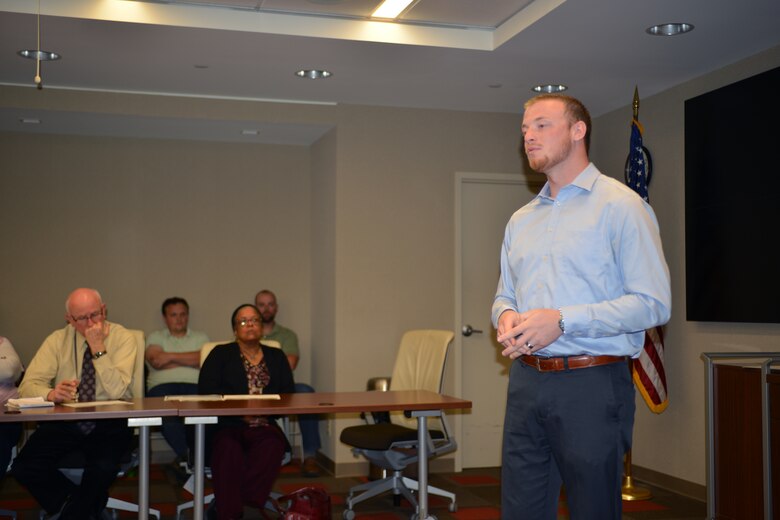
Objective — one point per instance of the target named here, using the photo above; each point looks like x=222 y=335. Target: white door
x=484 y=203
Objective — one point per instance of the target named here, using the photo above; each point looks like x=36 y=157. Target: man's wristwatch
x=561 y=324
x=100 y=354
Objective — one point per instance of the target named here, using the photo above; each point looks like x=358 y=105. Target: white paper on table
x=217 y=397
x=29 y=402
x=86 y=404
x=273 y=397
x=212 y=397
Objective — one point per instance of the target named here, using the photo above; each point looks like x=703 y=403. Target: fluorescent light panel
x=391 y=8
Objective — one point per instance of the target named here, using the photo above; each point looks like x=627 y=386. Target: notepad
x=217 y=397
x=29 y=402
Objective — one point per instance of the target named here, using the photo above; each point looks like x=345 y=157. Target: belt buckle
x=540 y=366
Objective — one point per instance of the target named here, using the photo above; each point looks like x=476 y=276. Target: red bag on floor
x=309 y=503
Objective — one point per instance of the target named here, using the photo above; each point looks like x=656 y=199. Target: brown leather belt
x=556 y=364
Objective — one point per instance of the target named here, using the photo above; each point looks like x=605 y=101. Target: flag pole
x=629 y=491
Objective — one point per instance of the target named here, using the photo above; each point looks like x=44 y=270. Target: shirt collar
x=168 y=333
x=584 y=181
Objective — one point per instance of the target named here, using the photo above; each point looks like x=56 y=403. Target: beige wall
x=673 y=442
x=142 y=220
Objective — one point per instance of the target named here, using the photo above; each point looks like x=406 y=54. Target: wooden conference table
x=140 y=413
x=149 y=411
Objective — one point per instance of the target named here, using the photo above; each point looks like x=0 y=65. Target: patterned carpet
x=477 y=490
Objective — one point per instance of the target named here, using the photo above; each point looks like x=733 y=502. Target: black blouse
x=223 y=373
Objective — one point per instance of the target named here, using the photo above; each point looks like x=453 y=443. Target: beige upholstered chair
x=391 y=446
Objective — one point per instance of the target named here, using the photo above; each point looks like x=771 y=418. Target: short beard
x=545 y=163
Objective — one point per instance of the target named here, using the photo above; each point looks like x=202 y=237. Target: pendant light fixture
x=38 y=55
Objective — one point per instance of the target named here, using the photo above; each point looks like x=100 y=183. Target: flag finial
x=636 y=103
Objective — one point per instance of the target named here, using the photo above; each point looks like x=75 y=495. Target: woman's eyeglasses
x=246 y=322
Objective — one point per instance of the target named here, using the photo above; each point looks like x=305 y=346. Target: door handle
x=468 y=331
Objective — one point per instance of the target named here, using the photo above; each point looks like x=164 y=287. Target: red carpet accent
x=21 y=503
x=289 y=487
x=478 y=513
x=290 y=469
x=636 y=506
x=474 y=480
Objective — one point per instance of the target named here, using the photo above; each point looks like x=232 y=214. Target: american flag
x=638 y=170
x=648 y=370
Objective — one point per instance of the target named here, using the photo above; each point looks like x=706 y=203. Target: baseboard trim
x=674 y=484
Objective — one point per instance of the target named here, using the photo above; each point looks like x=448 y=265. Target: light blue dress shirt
x=595 y=253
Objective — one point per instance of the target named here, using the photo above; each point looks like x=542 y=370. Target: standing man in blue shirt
x=582 y=276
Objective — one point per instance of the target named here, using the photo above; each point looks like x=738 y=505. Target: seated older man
x=90 y=359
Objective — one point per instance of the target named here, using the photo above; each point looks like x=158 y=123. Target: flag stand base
x=629 y=491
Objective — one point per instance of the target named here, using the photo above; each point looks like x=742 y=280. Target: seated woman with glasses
x=245 y=452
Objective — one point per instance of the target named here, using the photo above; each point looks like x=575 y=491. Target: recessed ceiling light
x=669 y=29
x=198 y=66
x=313 y=74
x=249 y=131
x=549 y=89
x=30 y=121
x=32 y=54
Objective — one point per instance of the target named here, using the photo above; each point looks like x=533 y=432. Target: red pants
x=244 y=464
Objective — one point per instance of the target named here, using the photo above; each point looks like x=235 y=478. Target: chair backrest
x=206 y=348
x=420 y=363
x=137 y=384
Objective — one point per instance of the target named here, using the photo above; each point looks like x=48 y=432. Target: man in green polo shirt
x=173 y=358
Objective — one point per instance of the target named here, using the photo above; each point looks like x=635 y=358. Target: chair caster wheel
x=348 y=514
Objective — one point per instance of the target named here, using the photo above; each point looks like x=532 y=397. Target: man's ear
x=578 y=130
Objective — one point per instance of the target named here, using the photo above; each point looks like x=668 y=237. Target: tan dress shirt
x=61 y=355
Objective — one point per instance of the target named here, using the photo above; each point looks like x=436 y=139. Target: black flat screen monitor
x=732 y=202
